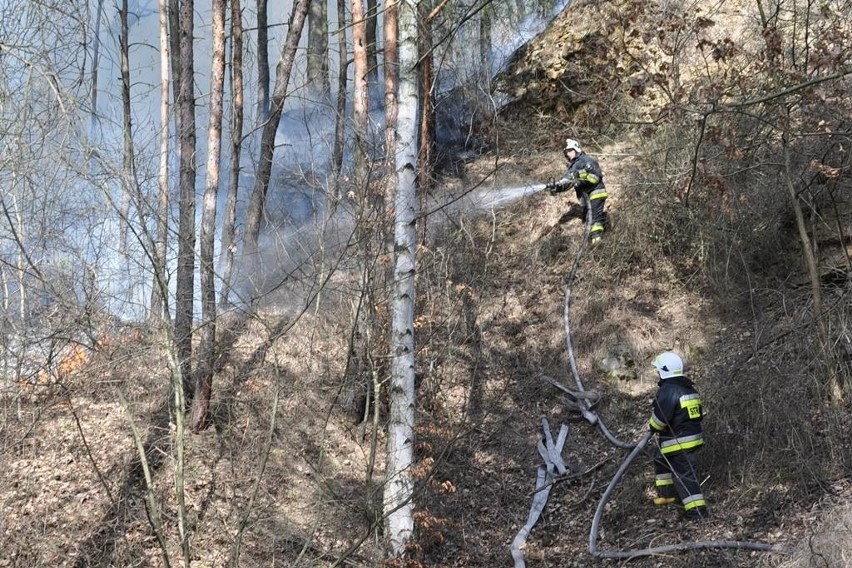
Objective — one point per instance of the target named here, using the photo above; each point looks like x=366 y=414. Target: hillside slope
x=491 y=323
x=290 y=473
x=622 y=309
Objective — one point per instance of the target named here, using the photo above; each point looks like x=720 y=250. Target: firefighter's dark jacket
x=586 y=174
x=676 y=416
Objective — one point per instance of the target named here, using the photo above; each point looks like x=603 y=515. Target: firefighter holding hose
x=584 y=175
x=676 y=419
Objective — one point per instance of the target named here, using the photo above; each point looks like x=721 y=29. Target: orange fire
x=71 y=359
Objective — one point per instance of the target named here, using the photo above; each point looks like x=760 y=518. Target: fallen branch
x=576 y=474
x=151 y=507
x=573 y=396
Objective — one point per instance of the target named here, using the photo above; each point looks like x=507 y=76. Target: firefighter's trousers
x=596 y=199
x=675 y=475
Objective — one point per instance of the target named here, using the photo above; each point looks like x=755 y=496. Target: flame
x=72 y=358
x=75 y=356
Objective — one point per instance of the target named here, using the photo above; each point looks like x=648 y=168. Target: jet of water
x=497 y=198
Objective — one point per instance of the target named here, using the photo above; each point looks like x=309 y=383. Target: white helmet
x=669 y=365
x=571 y=144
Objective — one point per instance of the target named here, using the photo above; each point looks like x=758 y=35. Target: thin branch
x=789 y=90
x=150 y=501
x=235 y=549
x=703 y=129
x=88 y=448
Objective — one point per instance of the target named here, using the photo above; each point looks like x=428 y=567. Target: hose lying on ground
x=628 y=554
x=585 y=402
x=551 y=453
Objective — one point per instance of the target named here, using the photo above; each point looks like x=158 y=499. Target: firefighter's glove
x=555 y=187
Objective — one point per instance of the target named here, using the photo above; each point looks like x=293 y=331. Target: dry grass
x=490 y=322
x=828 y=538
x=702 y=279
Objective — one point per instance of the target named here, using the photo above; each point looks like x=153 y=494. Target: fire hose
x=585 y=402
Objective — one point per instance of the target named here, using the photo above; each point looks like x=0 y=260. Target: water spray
x=497 y=198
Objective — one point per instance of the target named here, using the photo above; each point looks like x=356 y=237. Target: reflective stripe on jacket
x=677 y=415
x=587 y=174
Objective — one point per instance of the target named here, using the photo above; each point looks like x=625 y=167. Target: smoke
x=301 y=224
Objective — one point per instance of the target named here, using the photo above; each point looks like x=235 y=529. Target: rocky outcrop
x=584 y=56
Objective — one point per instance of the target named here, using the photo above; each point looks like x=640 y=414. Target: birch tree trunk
x=185 y=284
x=254 y=214
x=398 y=498
x=159 y=289
x=229 y=221
x=207 y=345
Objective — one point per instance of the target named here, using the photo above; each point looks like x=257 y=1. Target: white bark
x=204 y=369
x=229 y=217
x=399 y=505
x=160 y=288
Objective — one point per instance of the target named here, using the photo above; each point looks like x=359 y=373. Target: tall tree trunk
x=340 y=115
x=185 y=285
x=207 y=345
x=391 y=79
x=128 y=173
x=183 y=74
x=174 y=37
x=426 y=119
x=229 y=221
x=360 y=94
x=391 y=82
x=262 y=63
x=398 y=498
x=317 y=65
x=174 y=51
x=96 y=63
x=159 y=288
x=485 y=47
x=372 y=19
x=364 y=315
x=385 y=273
x=254 y=214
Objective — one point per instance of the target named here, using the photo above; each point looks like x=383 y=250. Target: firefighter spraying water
x=584 y=175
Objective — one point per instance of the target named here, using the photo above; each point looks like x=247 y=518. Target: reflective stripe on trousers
x=682 y=473
x=683 y=443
